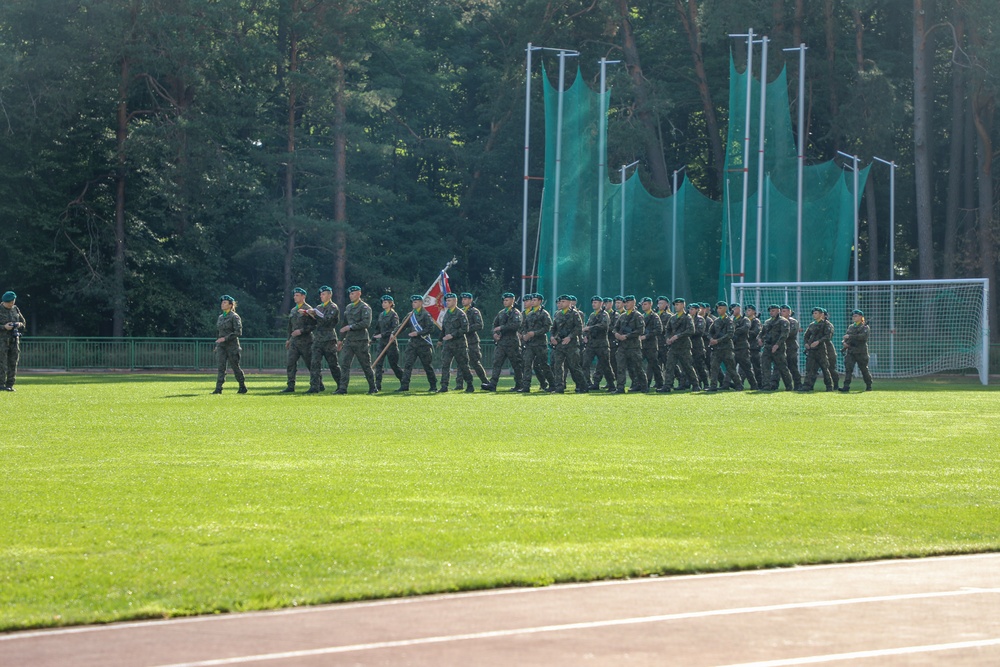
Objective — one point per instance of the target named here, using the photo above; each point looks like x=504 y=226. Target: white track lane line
x=862 y=655
x=403 y=643
x=432 y=597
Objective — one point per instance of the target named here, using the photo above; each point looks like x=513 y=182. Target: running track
x=932 y=611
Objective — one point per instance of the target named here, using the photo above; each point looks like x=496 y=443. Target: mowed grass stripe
x=144 y=496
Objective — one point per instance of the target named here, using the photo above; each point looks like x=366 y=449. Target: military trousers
x=476 y=361
x=323 y=349
x=792 y=360
x=651 y=355
x=422 y=350
x=535 y=357
x=604 y=369
x=699 y=361
x=458 y=350
x=356 y=349
x=10 y=353
x=755 y=364
x=567 y=357
x=630 y=365
x=860 y=359
x=779 y=361
x=816 y=360
x=831 y=360
x=228 y=355
x=745 y=367
x=679 y=357
x=299 y=347
x=510 y=353
x=391 y=356
x=724 y=357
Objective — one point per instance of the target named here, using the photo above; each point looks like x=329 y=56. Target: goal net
x=918 y=327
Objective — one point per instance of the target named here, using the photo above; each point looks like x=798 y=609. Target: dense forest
x=158 y=153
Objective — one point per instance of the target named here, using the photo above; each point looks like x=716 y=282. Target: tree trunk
x=340 y=186
x=800 y=12
x=985 y=109
x=921 y=139
x=830 y=29
x=118 y=281
x=859 y=41
x=689 y=17
x=872 y=228
x=647 y=118
x=954 y=160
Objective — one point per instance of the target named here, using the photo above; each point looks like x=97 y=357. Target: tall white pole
x=746 y=154
x=760 y=152
x=527 y=153
x=558 y=176
x=892 y=262
x=602 y=150
x=801 y=48
x=854 y=204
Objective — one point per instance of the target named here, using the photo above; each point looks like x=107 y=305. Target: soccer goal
x=918 y=327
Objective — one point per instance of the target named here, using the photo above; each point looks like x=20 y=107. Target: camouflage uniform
x=418 y=346
x=357 y=343
x=388 y=322
x=475 y=347
x=613 y=316
x=598 y=348
x=856 y=352
x=298 y=346
x=508 y=347
x=706 y=360
x=324 y=346
x=10 y=344
x=741 y=349
x=455 y=324
x=816 y=357
x=535 y=353
x=699 y=352
x=228 y=353
x=831 y=357
x=682 y=326
x=753 y=338
x=630 y=324
x=792 y=352
x=664 y=350
x=723 y=330
x=651 y=348
x=566 y=356
x=774 y=331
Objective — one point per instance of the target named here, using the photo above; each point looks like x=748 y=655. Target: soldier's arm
x=638 y=327
x=685 y=327
x=599 y=327
x=475 y=321
x=728 y=330
x=362 y=320
x=237 y=328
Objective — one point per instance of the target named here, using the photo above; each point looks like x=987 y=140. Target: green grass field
x=144 y=496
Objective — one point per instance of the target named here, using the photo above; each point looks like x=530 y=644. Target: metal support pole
x=801 y=48
x=527 y=153
x=602 y=150
x=760 y=150
x=892 y=262
x=673 y=237
x=857 y=222
x=746 y=151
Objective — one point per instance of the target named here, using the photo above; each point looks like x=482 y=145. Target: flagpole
x=392 y=337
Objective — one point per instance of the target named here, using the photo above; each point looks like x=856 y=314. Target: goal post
x=918 y=327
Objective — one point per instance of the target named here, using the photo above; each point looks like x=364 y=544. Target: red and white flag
x=434 y=296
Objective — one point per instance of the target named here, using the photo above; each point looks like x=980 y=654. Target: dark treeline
x=158 y=153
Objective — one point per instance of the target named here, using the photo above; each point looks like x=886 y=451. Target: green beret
x=224 y=297
x=662 y=298
x=607 y=299
x=734 y=305
x=646 y=299
x=857 y=312
x=508 y=295
x=388 y=297
x=353 y=288
x=629 y=297
x=693 y=305
x=752 y=307
x=451 y=295
x=417 y=297
x=298 y=290
x=817 y=309
x=562 y=297
x=596 y=298
x=773 y=307
x=679 y=300
x=785 y=306
x=467 y=295
x=326 y=288
x=619 y=297
x=572 y=297
x=721 y=303
x=9 y=296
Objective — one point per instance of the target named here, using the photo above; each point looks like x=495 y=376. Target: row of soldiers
x=652 y=346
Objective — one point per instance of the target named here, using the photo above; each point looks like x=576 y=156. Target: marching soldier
x=565 y=337
x=535 y=325
x=388 y=322
x=508 y=347
x=753 y=338
x=356 y=341
x=650 y=341
x=629 y=327
x=792 y=346
x=418 y=327
x=227 y=345
x=680 y=330
x=664 y=313
x=817 y=334
x=699 y=348
x=299 y=343
x=609 y=307
x=706 y=363
x=856 y=351
x=741 y=346
x=472 y=338
x=721 y=343
x=831 y=353
x=325 y=345
x=596 y=331
x=774 y=334
x=454 y=326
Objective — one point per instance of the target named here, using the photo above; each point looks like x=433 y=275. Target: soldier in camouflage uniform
x=325 y=345
x=831 y=353
x=792 y=346
x=227 y=345
x=454 y=326
x=508 y=347
x=356 y=341
x=628 y=329
x=299 y=343
x=817 y=334
x=706 y=362
x=565 y=336
x=680 y=330
x=608 y=304
x=664 y=313
x=418 y=327
x=472 y=338
x=699 y=348
x=856 y=351
x=741 y=346
x=774 y=334
x=12 y=324
x=753 y=338
x=596 y=332
x=388 y=322
x=650 y=342
x=723 y=354
x=535 y=325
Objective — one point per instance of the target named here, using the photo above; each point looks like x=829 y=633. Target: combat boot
x=242 y=389
x=290 y=389
x=470 y=389
x=218 y=389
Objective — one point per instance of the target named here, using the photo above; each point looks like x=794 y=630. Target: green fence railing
x=138 y=354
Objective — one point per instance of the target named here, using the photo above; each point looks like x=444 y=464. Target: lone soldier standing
x=566 y=330
x=454 y=326
x=596 y=331
x=324 y=346
x=420 y=325
x=753 y=338
x=792 y=346
x=356 y=341
x=721 y=341
x=650 y=341
x=472 y=338
x=388 y=321
x=534 y=326
x=856 y=351
x=227 y=345
x=508 y=347
x=741 y=346
x=629 y=327
x=299 y=343
x=774 y=333
x=680 y=330
x=10 y=340
x=817 y=334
